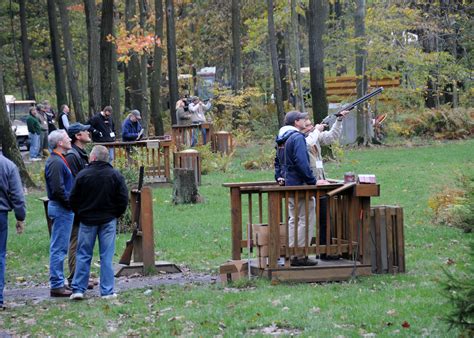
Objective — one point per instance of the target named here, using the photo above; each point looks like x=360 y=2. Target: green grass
x=199 y=237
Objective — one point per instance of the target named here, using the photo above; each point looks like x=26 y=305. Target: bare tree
x=8 y=139
x=172 y=63
x=155 y=85
x=70 y=63
x=132 y=68
x=236 y=58
x=276 y=71
x=59 y=77
x=143 y=7
x=25 y=49
x=363 y=119
x=93 y=56
x=316 y=18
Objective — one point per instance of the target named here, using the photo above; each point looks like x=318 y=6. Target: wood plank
x=378 y=239
x=236 y=222
x=274 y=207
x=365 y=205
x=400 y=241
x=317 y=274
x=389 y=219
x=146 y=221
x=367 y=190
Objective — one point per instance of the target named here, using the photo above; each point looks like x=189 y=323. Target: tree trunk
x=93 y=53
x=70 y=64
x=281 y=51
x=108 y=64
x=106 y=51
x=8 y=139
x=297 y=56
x=172 y=63
x=316 y=17
x=59 y=77
x=143 y=7
x=15 y=53
x=132 y=69
x=276 y=71
x=25 y=49
x=155 y=85
x=363 y=121
x=236 y=59
x=185 y=190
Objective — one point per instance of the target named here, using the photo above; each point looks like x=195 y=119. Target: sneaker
x=77 y=296
x=111 y=296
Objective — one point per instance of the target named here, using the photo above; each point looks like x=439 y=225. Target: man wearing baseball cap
x=292 y=169
x=131 y=128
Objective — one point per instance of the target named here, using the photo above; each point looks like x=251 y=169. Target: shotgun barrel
x=354 y=104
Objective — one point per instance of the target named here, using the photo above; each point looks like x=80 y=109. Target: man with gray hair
x=99 y=196
x=59 y=180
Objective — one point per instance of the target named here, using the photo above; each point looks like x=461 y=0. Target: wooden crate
x=233 y=270
x=387 y=239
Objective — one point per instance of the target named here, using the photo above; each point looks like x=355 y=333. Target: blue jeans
x=3 y=249
x=85 y=249
x=60 y=234
x=195 y=136
x=34 y=145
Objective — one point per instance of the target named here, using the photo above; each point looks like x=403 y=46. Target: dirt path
x=38 y=293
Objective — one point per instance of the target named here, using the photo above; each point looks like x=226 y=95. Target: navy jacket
x=130 y=130
x=292 y=160
x=11 y=190
x=101 y=125
x=59 y=180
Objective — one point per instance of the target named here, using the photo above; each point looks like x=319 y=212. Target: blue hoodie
x=292 y=160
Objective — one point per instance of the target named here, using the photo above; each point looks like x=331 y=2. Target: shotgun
x=127 y=253
x=352 y=105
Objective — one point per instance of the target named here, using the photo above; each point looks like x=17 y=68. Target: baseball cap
x=77 y=128
x=136 y=113
x=293 y=116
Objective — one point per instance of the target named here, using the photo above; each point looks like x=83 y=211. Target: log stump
x=184 y=187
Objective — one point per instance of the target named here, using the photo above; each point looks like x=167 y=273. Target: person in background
x=131 y=128
x=77 y=159
x=34 y=134
x=63 y=117
x=102 y=126
x=43 y=120
x=198 y=110
x=99 y=196
x=59 y=180
x=183 y=116
x=50 y=116
x=11 y=198
x=292 y=169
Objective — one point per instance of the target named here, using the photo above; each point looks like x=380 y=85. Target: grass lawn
x=410 y=304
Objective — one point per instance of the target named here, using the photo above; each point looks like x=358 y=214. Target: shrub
x=455 y=206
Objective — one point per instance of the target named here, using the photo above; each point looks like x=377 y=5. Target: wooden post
x=236 y=220
x=189 y=159
x=146 y=220
x=184 y=187
x=274 y=207
x=222 y=142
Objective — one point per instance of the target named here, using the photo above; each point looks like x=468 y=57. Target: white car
x=18 y=111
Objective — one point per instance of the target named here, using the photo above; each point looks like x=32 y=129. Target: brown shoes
x=60 y=292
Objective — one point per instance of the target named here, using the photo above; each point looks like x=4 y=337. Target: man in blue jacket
x=11 y=198
x=292 y=169
x=131 y=127
x=59 y=180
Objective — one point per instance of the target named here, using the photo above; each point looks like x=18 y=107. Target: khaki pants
x=301 y=223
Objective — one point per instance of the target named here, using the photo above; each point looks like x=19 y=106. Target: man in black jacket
x=77 y=159
x=103 y=129
x=99 y=196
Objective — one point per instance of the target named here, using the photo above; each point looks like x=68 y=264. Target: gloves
x=20 y=226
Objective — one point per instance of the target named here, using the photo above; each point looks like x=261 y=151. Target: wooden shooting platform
x=366 y=240
x=144 y=244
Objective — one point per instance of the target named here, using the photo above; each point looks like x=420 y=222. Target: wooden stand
x=188 y=159
x=222 y=142
x=144 y=244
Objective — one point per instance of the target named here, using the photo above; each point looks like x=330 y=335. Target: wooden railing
x=154 y=154
x=183 y=134
x=347 y=219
